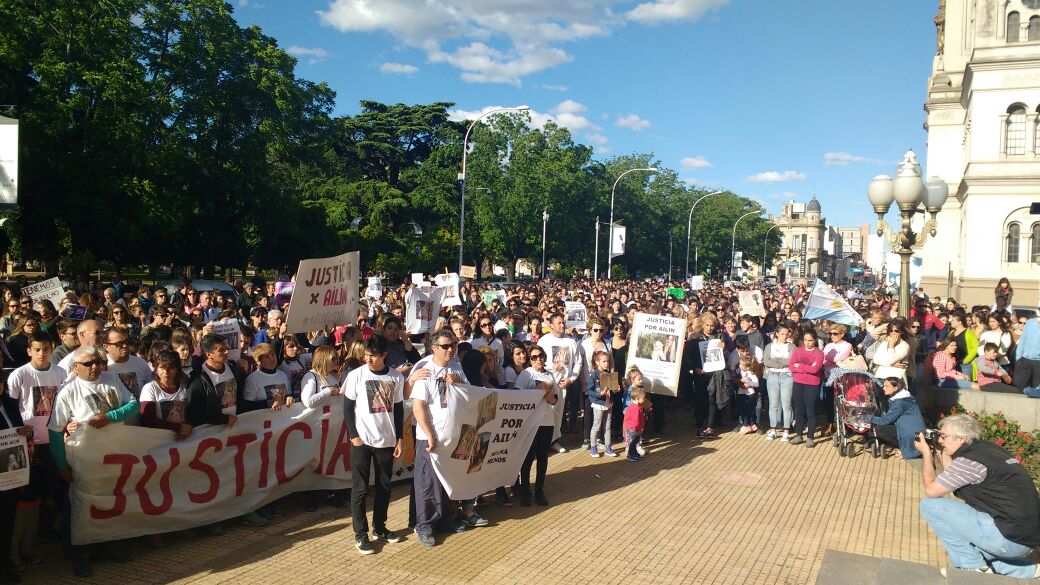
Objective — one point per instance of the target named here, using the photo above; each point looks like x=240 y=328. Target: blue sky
x=770 y=99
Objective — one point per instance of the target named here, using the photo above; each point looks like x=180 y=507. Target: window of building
x=1034 y=244
x=1015 y=142
x=1034 y=28
x=1014 y=233
x=1014 y=23
x=812 y=243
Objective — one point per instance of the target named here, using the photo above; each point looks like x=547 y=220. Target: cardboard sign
x=328 y=293
x=228 y=329
x=74 y=312
x=751 y=303
x=375 y=287
x=656 y=348
x=14 y=460
x=696 y=282
x=45 y=290
x=713 y=355
x=449 y=283
x=418 y=280
x=283 y=291
x=576 y=315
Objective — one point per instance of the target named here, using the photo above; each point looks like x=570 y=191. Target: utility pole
x=595 y=262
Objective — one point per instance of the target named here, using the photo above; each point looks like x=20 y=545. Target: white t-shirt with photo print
x=428 y=390
x=226 y=387
x=374 y=397
x=81 y=400
x=172 y=407
x=35 y=390
x=270 y=387
x=134 y=373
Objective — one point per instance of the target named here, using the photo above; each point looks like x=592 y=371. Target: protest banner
x=825 y=303
x=375 y=287
x=45 y=290
x=713 y=355
x=283 y=291
x=14 y=460
x=328 y=293
x=678 y=293
x=229 y=330
x=417 y=279
x=576 y=315
x=134 y=480
x=484 y=435
x=489 y=297
x=656 y=348
x=450 y=285
x=469 y=272
x=696 y=282
x=74 y=312
x=751 y=303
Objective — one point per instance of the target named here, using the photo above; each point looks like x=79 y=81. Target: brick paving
x=734 y=510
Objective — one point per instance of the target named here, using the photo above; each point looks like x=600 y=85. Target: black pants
x=361 y=459
x=703 y=405
x=1027 y=374
x=572 y=405
x=804 y=399
x=8 y=505
x=539 y=451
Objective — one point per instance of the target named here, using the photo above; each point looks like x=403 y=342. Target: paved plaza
x=734 y=510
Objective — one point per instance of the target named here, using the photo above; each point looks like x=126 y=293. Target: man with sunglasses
x=565 y=362
x=132 y=370
x=96 y=398
x=997 y=525
x=88 y=332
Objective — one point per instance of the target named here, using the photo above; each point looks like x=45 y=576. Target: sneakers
x=786 y=437
x=744 y=430
x=502 y=498
x=425 y=539
x=384 y=534
x=797 y=440
x=363 y=545
x=634 y=458
x=609 y=452
x=474 y=520
x=254 y=519
x=771 y=435
x=525 y=499
x=556 y=446
x=593 y=452
x=809 y=444
x=539 y=498
x=943 y=571
x=641 y=450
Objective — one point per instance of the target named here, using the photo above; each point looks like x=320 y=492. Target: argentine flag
x=824 y=303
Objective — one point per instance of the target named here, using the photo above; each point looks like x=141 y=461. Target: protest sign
x=656 y=348
x=417 y=279
x=469 y=272
x=751 y=303
x=484 y=436
x=283 y=291
x=696 y=282
x=229 y=330
x=14 y=460
x=489 y=297
x=74 y=312
x=422 y=305
x=713 y=355
x=825 y=303
x=576 y=316
x=678 y=293
x=375 y=287
x=133 y=480
x=450 y=285
x=328 y=293
x=45 y=290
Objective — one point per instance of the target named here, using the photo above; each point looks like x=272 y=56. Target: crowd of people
x=154 y=358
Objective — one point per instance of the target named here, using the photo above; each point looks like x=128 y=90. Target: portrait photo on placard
x=467 y=440
x=476 y=459
x=659 y=347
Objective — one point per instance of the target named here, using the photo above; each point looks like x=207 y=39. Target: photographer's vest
x=1007 y=494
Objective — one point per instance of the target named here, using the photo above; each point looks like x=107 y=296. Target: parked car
x=173 y=286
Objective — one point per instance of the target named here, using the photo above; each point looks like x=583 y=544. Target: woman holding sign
x=537 y=376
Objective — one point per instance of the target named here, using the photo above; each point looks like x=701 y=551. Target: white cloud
x=659 y=11
x=560 y=88
x=777 y=177
x=398 y=68
x=481 y=63
x=597 y=139
x=690 y=163
x=841 y=158
x=315 y=54
x=568 y=107
x=632 y=122
x=567 y=114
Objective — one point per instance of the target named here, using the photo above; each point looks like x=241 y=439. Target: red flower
x=1000 y=442
x=1019 y=457
x=1001 y=426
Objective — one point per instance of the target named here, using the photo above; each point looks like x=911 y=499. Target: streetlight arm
x=689 y=228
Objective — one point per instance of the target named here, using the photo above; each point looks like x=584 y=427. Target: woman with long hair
x=18 y=343
x=319 y=388
x=537 y=376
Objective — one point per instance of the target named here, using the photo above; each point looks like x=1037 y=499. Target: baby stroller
x=854 y=404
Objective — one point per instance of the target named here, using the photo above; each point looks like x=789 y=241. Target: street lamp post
x=909 y=193
x=696 y=255
x=610 y=260
x=462 y=175
x=545 y=222
x=765 y=240
x=669 y=258
x=595 y=254
x=689 y=226
x=733 y=242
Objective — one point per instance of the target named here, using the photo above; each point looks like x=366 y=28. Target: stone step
x=841 y=568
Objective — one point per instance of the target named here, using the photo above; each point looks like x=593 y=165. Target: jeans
x=632 y=439
x=965 y=369
x=361 y=459
x=600 y=418
x=952 y=383
x=805 y=398
x=972 y=540
x=780 y=386
x=746 y=409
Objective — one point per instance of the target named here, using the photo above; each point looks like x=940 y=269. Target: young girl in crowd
x=747 y=390
x=516 y=362
x=635 y=422
x=807 y=366
x=600 y=403
x=320 y=388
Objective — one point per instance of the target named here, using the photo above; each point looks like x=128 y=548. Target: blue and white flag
x=824 y=303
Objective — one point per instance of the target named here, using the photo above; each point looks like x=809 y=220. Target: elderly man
x=997 y=525
x=93 y=397
x=566 y=367
x=88 y=332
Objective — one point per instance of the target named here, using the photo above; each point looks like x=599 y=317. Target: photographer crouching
x=997 y=525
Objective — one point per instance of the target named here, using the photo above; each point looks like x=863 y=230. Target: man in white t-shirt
x=429 y=396
x=132 y=370
x=566 y=363
x=88 y=332
x=373 y=397
x=91 y=397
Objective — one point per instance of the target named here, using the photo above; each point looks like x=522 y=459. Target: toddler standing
x=747 y=388
x=635 y=422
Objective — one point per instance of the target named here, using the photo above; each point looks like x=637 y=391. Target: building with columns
x=801 y=255
x=984 y=141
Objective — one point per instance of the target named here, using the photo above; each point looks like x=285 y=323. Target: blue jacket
x=905 y=414
x=1028 y=346
x=594 y=388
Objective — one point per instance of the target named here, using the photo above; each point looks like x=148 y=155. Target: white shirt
x=263 y=386
x=564 y=351
x=374 y=397
x=172 y=407
x=529 y=379
x=226 y=386
x=315 y=394
x=81 y=400
x=35 y=391
x=134 y=373
x=429 y=391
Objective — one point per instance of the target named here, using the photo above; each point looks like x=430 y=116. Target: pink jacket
x=807 y=366
x=834 y=353
x=946 y=367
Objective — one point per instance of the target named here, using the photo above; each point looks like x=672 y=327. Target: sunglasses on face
x=445 y=346
x=537 y=356
x=597 y=330
x=91 y=363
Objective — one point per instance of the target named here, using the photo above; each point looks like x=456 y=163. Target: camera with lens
x=932 y=437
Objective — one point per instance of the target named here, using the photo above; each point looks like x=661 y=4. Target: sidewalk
x=734 y=510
